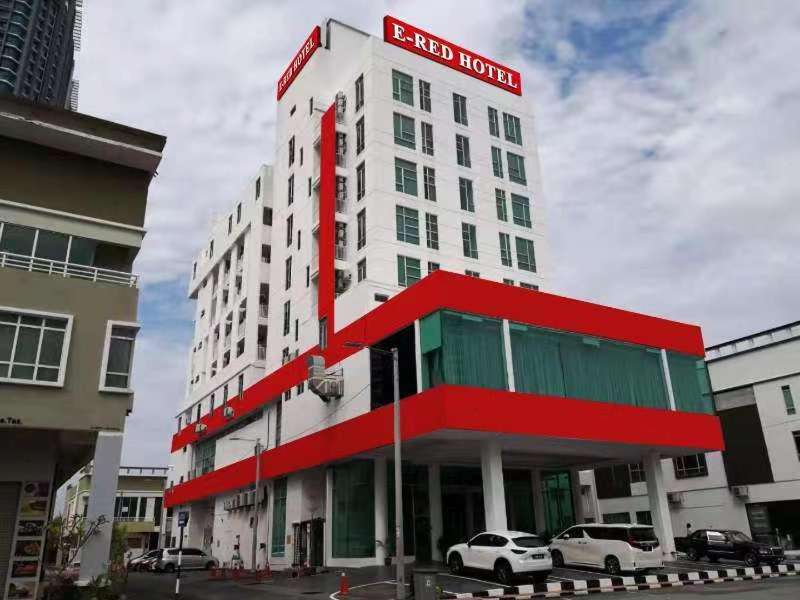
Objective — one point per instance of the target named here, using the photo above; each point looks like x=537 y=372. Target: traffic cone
x=344 y=587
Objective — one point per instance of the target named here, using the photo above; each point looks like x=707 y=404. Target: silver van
x=193 y=558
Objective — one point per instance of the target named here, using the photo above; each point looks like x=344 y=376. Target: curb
x=632 y=583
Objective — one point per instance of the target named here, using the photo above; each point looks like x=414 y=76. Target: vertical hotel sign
x=299 y=61
x=420 y=42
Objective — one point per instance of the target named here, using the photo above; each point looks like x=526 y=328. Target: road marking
x=470 y=579
x=595 y=573
x=335 y=595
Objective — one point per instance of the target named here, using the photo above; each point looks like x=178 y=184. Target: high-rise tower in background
x=38 y=39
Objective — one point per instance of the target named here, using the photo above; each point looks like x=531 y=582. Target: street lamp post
x=257 y=452
x=398 y=470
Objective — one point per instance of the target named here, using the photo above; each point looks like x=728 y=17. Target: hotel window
x=291 y=151
x=404 y=131
x=361 y=181
x=266 y=218
x=258 y=188
x=505 y=250
x=513 y=128
x=526 y=259
x=405 y=176
x=287 y=321
x=278 y=542
x=240 y=383
x=521 y=209
x=432 y=231
x=323 y=333
x=516 y=168
x=238 y=213
x=636 y=471
x=474 y=274
x=230 y=224
x=462 y=151
x=432 y=266
x=528 y=286
x=309 y=187
x=360 y=135
x=407 y=224
x=693 y=465
x=497 y=162
x=425 y=95
x=359 y=92
x=118 y=356
x=290 y=190
x=796 y=435
x=301 y=157
x=289 y=230
x=427 y=138
x=500 y=202
x=466 y=194
x=266 y=253
x=469 y=237
x=288 y=281
x=33 y=347
x=402 y=87
x=508 y=281
x=211 y=404
x=408 y=271
x=210 y=248
x=788 y=400
x=494 y=124
x=361 y=229
x=361 y=269
x=429 y=183
x=460 y=109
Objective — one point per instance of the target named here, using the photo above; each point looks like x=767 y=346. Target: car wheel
x=558 y=559
x=612 y=565
x=169 y=568
x=210 y=565
x=751 y=559
x=692 y=554
x=455 y=563
x=503 y=572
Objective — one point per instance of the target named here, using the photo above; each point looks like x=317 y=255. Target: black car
x=731 y=545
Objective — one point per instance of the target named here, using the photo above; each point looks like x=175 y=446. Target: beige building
x=73 y=193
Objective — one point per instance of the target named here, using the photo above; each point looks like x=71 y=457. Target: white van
x=615 y=548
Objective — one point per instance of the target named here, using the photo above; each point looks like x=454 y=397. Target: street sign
x=183 y=518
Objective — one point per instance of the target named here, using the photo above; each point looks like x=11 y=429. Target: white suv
x=615 y=548
x=505 y=553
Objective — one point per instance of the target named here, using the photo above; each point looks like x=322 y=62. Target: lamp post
x=398 y=471
x=257 y=452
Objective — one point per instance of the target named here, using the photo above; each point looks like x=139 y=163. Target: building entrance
x=558 y=509
x=309 y=548
x=463 y=513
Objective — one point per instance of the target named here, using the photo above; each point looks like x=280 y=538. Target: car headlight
x=763 y=550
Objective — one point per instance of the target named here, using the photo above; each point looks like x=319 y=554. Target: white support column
x=494 y=496
x=667 y=379
x=435 y=504
x=538 y=501
x=659 y=505
x=381 y=506
x=577 y=496
x=328 y=526
x=105 y=472
x=509 y=357
x=418 y=355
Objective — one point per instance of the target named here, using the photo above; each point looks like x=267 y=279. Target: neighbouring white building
x=405 y=210
x=754 y=485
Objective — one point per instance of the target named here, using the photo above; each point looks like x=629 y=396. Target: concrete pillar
x=328 y=527
x=494 y=496
x=94 y=554
x=538 y=501
x=381 y=508
x=659 y=506
x=577 y=496
x=435 y=505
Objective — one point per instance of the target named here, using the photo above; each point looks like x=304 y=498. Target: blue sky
x=667 y=130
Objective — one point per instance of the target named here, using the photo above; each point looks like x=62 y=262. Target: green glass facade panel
x=519 y=500
x=279 y=517
x=353 y=528
x=690 y=383
x=430 y=332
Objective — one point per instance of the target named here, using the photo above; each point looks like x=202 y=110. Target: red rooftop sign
x=419 y=42
x=300 y=60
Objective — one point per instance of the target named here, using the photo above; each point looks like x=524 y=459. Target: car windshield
x=529 y=541
x=642 y=534
x=738 y=536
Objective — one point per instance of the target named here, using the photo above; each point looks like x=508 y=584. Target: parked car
x=728 y=544
x=137 y=563
x=193 y=558
x=505 y=553
x=615 y=548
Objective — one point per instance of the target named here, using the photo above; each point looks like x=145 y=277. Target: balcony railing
x=65 y=269
x=262 y=352
x=341 y=252
x=133 y=519
x=341 y=205
x=263 y=310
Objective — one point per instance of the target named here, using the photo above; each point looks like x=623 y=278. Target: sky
x=668 y=135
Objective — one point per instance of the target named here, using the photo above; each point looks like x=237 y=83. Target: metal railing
x=65 y=269
x=134 y=519
x=341 y=205
x=262 y=352
x=263 y=309
x=341 y=252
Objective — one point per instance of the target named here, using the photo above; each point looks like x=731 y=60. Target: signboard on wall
x=25 y=562
x=299 y=61
x=420 y=42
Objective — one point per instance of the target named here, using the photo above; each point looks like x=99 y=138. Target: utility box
x=424 y=587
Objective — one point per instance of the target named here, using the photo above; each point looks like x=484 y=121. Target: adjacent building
x=754 y=485
x=73 y=195
x=38 y=40
x=405 y=211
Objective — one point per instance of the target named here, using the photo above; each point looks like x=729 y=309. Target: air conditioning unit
x=740 y=491
x=328 y=386
x=343 y=280
x=341 y=105
x=227 y=412
x=200 y=428
x=675 y=498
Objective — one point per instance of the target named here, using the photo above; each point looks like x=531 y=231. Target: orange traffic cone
x=344 y=587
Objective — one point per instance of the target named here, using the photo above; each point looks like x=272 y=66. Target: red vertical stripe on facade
x=327 y=218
